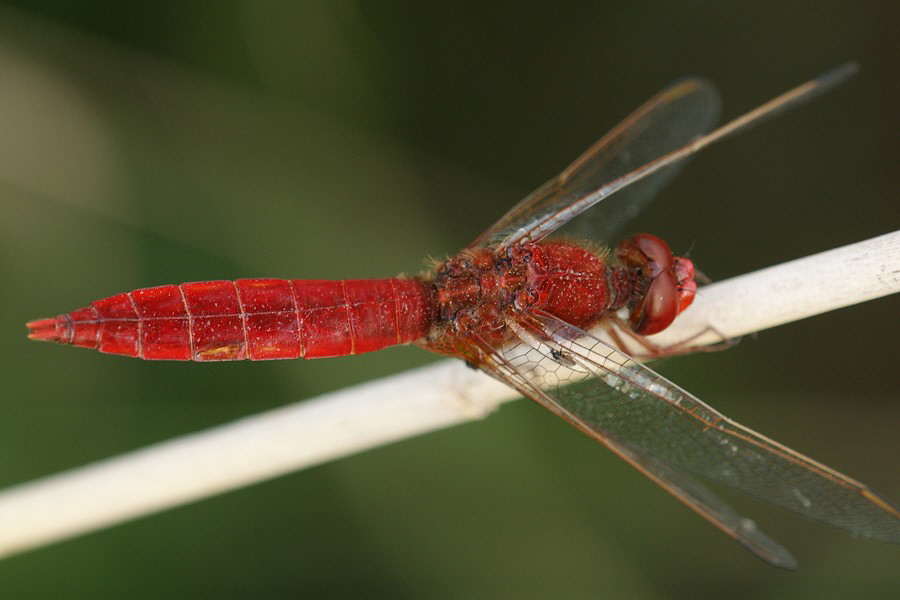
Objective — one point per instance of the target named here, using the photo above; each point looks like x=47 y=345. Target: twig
x=791 y=291
x=354 y=419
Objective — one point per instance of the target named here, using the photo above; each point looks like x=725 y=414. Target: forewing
x=668 y=121
x=694 y=495
x=588 y=182
x=661 y=428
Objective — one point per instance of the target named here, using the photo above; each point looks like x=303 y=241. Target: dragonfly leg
x=642 y=349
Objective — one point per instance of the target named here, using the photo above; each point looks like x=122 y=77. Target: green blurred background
x=145 y=144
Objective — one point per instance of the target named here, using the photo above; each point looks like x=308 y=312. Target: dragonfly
x=555 y=317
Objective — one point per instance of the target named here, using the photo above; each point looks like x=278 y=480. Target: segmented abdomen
x=256 y=319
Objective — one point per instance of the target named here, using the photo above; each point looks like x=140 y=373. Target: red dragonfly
x=533 y=312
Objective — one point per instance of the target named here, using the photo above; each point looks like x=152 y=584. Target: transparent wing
x=607 y=168
x=687 y=490
x=669 y=120
x=669 y=435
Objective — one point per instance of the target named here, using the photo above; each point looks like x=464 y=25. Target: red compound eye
x=659 y=306
x=672 y=286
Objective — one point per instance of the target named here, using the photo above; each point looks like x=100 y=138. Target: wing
x=669 y=120
x=670 y=435
x=610 y=166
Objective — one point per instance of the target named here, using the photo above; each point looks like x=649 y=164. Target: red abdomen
x=255 y=319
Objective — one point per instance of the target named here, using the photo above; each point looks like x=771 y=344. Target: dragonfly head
x=670 y=287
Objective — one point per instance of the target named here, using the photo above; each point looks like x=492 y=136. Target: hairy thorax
x=478 y=291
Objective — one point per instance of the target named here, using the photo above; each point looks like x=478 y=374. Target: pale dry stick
x=790 y=291
x=311 y=432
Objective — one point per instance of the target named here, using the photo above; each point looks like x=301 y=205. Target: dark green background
x=142 y=145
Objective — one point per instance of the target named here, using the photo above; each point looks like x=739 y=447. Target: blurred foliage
x=148 y=143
